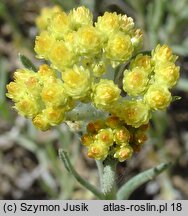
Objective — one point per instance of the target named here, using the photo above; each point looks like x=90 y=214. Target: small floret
x=123 y=153
x=142 y=61
x=134 y=113
x=98 y=150
x=163 y=54
x=77 y=82
x=119 y=47
x=135 y=82
x=158 y=97
x=167 y=73
x=121 y=136
x=105 y=93
x=79 y=17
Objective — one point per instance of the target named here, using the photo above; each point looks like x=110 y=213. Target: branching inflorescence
x=81 y=54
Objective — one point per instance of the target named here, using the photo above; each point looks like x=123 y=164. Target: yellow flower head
x=119 y=47
x=26 y=84
x=77 y=82
x=163 y=54
x=108 y=23
x=45 y=72
x=105 y=136
x=32 y=89
x=142 y=61
x=98 y=150
x=41 y=122
x=126 y=23
x=59 y=25
x=158 y=96
x=53 y=94
x=135 y=82
x=54 y=115
x=15 y=91
x=87 y=139
x=123 y=153
x=48 y=117
x=28 y=107
x=121 y=136
x=79 y=17
x=94 y=127
x=134 y=113
x=46 y=14
x=88 y=40
x=167 y=73
x=22 y=75
x=105 y=93
x=60 y=56
x=70 y=40
x=43 y=44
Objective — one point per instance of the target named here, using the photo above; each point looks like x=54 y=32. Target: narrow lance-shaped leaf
x=64 y=157
x=27 y=63
x=126 y=190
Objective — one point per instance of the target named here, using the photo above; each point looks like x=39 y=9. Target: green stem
x=108 y=179
x=64 y=157
x=100 y=170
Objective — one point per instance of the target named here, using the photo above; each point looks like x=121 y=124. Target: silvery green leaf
x=126 y=190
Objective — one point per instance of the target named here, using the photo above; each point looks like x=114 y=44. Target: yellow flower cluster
x=81 y=53
x=40 y=96
x=114 y=138
x=73 y=38
x=151 y=77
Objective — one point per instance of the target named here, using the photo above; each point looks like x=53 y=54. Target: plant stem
x=100 y=170
x=108 y=179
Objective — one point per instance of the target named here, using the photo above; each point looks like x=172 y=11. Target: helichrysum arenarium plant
x=82 y=56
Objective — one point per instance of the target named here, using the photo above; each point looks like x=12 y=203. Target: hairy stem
x=108 y=179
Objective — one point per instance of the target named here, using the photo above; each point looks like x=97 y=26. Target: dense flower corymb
x=82 y=55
